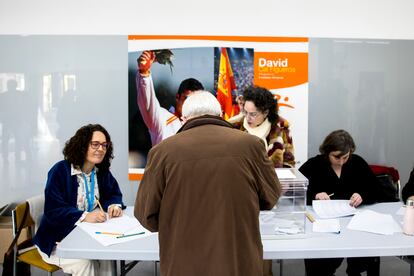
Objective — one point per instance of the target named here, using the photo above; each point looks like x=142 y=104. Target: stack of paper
x=110 y=231
x=326 y=225
x=333 y=208
x=371 y=221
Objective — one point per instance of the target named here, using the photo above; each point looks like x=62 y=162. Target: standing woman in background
x=338 y=173
x=74 y=186
x=260 y=117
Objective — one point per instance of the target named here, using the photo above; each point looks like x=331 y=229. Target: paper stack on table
x=326 y=226
x=333 y=208
x=109 y=232
x=371 y=221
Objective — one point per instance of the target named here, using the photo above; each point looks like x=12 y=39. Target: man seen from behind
x=202 y=191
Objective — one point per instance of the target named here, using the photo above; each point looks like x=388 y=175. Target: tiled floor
x=390 y=266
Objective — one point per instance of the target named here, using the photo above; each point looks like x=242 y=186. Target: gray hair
x=201 y=103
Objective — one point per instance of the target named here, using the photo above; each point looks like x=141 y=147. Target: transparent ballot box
x=288 y=218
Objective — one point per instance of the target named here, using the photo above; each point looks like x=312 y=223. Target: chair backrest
x=36 y=205
x=389 y=178
x=17 y=216
x=27 y=253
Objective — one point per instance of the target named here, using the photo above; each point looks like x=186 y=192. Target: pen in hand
x=331 y=194
x=99 y=204
x=100 y=208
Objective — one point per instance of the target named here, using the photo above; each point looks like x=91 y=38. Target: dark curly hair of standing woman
x=77 y=146
x=263 y=100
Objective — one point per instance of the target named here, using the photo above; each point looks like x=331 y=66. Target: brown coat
x=202 y=190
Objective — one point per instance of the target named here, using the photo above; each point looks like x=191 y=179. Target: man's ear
x=177 y=97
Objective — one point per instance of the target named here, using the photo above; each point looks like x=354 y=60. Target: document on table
x=374 y=222
x=326 y=226
x=333 y=208
x=109 y=232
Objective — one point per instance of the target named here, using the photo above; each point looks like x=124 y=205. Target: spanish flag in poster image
x=225 y=85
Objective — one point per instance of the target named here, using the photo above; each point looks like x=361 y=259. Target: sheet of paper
x=327 y=226
x=285 y=174
x=114 y=227
x=333 y=208
x=374 y=222
x=401 y=211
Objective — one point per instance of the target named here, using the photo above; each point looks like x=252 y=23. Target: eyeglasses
x=95 y=145
x=252 y=115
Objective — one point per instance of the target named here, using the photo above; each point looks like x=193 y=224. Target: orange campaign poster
x=280 y=70
x=223 y=65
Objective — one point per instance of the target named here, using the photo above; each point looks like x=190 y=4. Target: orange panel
x=135 y=176
x=280 y=70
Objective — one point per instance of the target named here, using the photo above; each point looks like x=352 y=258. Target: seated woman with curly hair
x=73 y=188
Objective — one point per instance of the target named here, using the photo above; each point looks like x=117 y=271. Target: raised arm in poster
x=161 y=123
x=157 y=92
x=159 y=102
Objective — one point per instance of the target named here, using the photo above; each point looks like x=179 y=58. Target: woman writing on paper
x=338 y=173
x=74 y=188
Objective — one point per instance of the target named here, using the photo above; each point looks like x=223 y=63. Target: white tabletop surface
x=349 y=243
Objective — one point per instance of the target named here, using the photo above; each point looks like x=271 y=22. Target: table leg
x=113 y=268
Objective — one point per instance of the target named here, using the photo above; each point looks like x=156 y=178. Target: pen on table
x=99 y=204
x=109 y=233
x=331 y=194
x=130 y=235
x=310 y=217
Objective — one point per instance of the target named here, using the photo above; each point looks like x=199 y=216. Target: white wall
x=364 y=86
x=339 y=19
x=308 y=18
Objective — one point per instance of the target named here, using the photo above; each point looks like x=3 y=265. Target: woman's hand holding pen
x=95 y=216
x=323 y=196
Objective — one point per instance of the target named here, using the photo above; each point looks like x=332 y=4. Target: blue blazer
x=61 y=212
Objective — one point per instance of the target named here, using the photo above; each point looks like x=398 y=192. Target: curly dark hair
x=338 y=140
x=76 y=147
x=263 y=100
